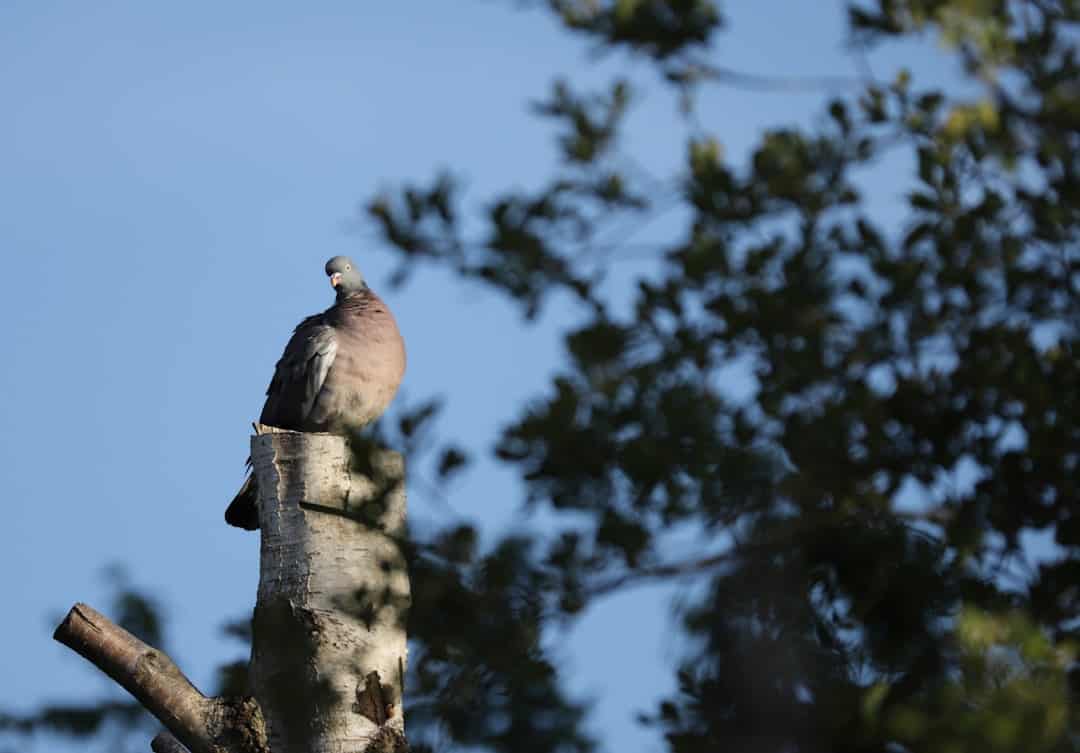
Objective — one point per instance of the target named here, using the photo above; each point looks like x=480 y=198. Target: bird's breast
x=366 y=372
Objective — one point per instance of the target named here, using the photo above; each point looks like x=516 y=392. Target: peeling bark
x=329 y=646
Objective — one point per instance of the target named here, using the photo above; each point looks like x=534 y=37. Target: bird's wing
x=300 y=374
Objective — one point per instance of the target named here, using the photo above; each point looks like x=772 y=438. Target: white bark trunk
x=329 y=648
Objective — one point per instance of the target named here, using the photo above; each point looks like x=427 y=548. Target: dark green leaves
x=856 y=422
x=591 y=121
x=658 y=28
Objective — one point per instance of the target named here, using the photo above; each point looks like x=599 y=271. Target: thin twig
x=759 y=82
x=665 y=570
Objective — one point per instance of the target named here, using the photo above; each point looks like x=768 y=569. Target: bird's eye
x=347 y=267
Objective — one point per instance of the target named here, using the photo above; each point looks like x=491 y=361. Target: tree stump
x=329 y=643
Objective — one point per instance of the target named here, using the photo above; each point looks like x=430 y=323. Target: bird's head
x=345 y=278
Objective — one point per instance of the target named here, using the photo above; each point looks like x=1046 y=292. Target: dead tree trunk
x=329 y=645
x=328 y=654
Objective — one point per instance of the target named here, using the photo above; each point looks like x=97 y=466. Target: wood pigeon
x=339 y=372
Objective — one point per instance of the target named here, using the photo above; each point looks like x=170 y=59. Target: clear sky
x=172 y=178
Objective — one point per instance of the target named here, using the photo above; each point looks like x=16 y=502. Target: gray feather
x=300 y=374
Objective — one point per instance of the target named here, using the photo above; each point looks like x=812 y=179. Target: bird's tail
x=243 y=511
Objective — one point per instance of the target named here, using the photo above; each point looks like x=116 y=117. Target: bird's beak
x=335 y=279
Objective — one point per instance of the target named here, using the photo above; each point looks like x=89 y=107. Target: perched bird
x=338 y=373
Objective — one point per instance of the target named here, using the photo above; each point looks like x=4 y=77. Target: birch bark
x=328 y=648
x=329 y=644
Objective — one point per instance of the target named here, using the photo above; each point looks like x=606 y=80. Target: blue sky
x=173 y=178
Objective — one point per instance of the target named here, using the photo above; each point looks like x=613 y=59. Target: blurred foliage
x=863 y=573
x=864 y=581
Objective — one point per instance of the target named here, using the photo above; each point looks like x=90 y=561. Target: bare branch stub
x=203 y=725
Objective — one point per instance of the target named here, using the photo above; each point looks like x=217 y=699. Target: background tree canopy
x=855 y=530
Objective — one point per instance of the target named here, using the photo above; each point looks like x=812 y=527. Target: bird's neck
x=356 y=302
x=354 y=295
